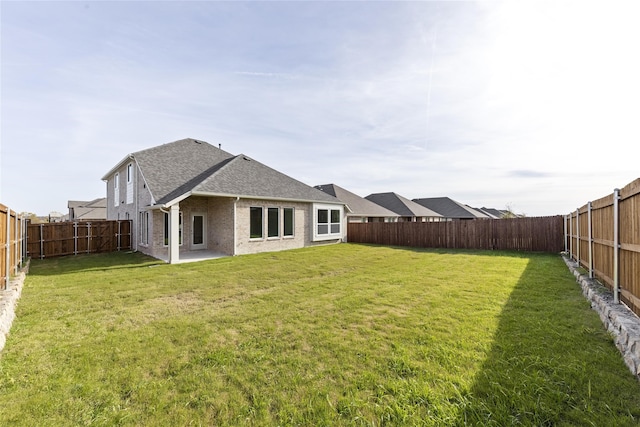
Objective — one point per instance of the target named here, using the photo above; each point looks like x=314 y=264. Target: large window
x=255 y=222
x=166 y=229
x=327 y=222
x=273 y=222
x=287 y=213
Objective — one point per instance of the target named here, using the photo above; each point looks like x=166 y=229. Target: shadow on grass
x=90 y=262
x=551 y=361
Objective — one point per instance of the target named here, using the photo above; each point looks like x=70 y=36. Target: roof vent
x=197 y=142
x=246 y=158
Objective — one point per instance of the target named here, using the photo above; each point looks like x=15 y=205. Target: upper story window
x=129 y=195
x=116 y=189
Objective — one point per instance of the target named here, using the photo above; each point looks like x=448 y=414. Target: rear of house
x=189 y=196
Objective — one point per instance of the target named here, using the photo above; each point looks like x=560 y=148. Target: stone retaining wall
x=8 y=301
x=621 y=322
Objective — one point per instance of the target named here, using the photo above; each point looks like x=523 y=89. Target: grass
x=335 y=335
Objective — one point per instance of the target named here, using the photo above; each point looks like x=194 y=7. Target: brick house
x=189 y=197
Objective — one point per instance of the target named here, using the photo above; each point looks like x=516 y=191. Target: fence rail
x=603 y=236
x=537 y=234
x=72 y=238
x=11 y=244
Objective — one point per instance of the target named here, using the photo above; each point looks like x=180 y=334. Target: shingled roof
x=401 y=205
x=449 y=208
x=358 y=206
x=192 y=167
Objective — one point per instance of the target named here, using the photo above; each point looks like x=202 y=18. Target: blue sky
x=534 y=105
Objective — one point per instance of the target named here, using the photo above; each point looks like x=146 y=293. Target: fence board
x=603 y=233
x=541 y=234
x=11 y=243
x=72 y=238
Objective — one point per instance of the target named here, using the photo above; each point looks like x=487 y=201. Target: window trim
x=251 y=210
x=329 y=235
x=284 y=223
x=116 y=189
x=270 y=236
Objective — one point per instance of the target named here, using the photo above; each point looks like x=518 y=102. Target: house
x=405 y=208
x=92 y=210
x=450 y=209
x=359 y=209
x=188 y=196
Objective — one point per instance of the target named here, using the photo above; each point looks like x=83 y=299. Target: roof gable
x=171 y=168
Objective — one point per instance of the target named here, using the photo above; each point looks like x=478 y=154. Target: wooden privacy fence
x=603 y=236
x=538 y=234
x=11 y=244
x=72 y=238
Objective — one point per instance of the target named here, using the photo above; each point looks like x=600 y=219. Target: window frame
x=334 y=229
x=116 y=189
x=284 y=223
x=271 y=222
x=252 y=235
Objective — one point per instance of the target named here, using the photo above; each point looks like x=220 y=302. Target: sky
x=530 y=105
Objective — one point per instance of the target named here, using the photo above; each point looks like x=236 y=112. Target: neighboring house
x=93 y=210
x=359 y=209
x=189 y=196
x=56 y=216
x=450 y=209
x=405 y=208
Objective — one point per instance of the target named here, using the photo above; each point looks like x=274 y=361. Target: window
x=335 y=221
x=166 y=229
x=116 y=189
x=287 y=213
x=273 y=222
x=327 y=222
x=255 y=222
x=323 y=221
x=129 y=194
x=144 y=228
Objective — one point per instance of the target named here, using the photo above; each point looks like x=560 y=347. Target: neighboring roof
x=95 y=203
x=358 y=206
x=449 y=208
x=401 y=205
x=494 y=213
x=178 y=169
x=91 y=210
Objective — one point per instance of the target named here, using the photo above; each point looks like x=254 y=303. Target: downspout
x=235 y=232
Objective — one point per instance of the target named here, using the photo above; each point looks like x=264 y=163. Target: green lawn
x=334 y=335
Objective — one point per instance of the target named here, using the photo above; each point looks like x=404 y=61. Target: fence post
x=8 y=249
x=616 y=245
x=590 y=224
x=75 y=238
x=570 y=235
x=578 y=235
x=41 y=241
x=88 y=237
x=565 y=229
x=118 y=240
